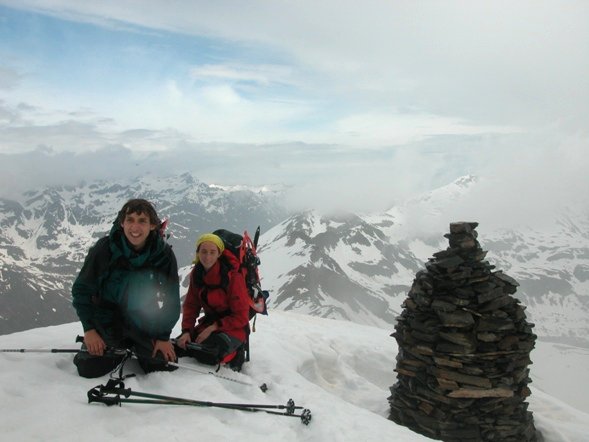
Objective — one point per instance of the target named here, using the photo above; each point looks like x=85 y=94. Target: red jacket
x=229 y=307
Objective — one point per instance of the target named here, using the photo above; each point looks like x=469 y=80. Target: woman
x=217 y=288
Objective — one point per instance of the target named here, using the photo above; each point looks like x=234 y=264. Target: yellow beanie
x=211 y=237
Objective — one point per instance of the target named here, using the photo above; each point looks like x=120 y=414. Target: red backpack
x=243 y=248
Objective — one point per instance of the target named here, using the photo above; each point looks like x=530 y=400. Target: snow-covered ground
x=339 y=370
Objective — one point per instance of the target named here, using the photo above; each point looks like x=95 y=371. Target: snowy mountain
x=339 y=370
x=359 y=267
x=45 y=237
x=339 y=267
x=356 y=267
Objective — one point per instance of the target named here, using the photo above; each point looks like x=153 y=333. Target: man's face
x=137 y=227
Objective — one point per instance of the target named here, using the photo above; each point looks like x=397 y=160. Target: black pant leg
x=90 y=366
x=214 y=348
x=142 y=346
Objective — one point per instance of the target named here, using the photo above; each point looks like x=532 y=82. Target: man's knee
x=95 y=366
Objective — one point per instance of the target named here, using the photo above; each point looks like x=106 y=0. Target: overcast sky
x=370 y=100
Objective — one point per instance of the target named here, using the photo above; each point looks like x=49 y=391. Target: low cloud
x=528 y=188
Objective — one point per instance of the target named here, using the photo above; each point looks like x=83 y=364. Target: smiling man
x=127 y=294
x=137 y=228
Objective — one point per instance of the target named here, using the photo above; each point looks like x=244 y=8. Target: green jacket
x=115 y=283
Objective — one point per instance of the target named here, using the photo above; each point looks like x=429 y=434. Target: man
x=127 y=294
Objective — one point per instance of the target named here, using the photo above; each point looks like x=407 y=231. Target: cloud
x=532 y=187
x=44 y=167
x=402 y=128
x=354 y=104
x=528 y=187
x=84 y=136
x=239 y=73
x=9 y=78
x=523 y=68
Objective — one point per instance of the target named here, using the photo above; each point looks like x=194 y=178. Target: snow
x=422 y=250
x=277 y=264
x=341 y=371
x=316 y=225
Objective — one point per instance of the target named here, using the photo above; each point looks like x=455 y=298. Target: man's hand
x=166 y=348
x=94 y=343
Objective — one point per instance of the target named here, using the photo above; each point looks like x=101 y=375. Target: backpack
x=244 y=249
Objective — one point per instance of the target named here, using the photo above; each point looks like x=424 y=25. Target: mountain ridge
x=356 y=267
x=45 y=237
x=551 y=264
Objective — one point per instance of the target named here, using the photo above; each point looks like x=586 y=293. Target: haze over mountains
x=356 y=267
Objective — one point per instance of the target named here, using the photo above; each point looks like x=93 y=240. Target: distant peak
x=466 y=180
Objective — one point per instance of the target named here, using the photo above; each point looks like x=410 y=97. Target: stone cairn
x=464 y=346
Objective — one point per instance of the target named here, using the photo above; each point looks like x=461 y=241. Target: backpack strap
x=210 y=315
x=104 y=266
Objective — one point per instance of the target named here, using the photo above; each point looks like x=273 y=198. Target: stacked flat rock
x=464 y=349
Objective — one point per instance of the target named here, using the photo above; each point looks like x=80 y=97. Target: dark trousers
x=212 y=350
x=90 y=366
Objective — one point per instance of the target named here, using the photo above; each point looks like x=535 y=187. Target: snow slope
x=341 y=371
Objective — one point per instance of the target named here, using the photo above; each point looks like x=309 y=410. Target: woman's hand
x=166 y=348
x=94 y=343
x=203 y=335
x=183 y=340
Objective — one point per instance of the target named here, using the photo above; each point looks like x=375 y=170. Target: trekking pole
x=44 y=350
x=305 y=415
x=217 y=375
x=117 y=388
x=195 y=346
x=256 y=237
x=262 y=387
x=39 y=350
x=109 y=350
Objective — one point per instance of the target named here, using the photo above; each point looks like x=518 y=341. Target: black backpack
x=244 y=249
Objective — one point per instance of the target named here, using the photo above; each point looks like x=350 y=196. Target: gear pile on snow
x=464 y=346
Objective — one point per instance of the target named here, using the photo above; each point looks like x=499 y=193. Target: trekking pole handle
x=110 y=350
x=96 y=395
x=114 y=386
x=306 y=416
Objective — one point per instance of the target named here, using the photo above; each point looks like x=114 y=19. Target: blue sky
x=384 y=94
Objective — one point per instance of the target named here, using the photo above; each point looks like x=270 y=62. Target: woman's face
x=208 y=253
